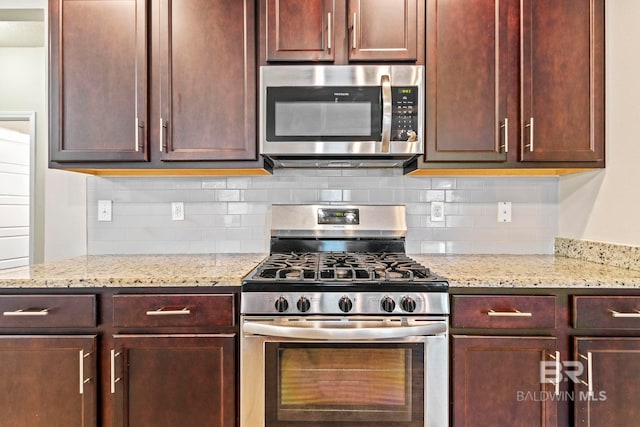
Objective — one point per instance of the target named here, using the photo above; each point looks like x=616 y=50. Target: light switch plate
x=104 y=210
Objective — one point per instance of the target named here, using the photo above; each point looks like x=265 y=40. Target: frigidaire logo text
x=340 y=93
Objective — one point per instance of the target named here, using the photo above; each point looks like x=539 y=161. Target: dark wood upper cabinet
x=207 y=80
x=562 y=80
x=467 y=88
x=512 y=82
x=153 y=80
x=300 y=30
x=98 y=80
x=342 y=31
x=384 y=30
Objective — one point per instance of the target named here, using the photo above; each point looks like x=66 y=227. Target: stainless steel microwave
x=341 y=116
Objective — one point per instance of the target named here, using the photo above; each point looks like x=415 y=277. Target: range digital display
x=339 y=216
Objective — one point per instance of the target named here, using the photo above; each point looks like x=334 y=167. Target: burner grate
x=342 y=266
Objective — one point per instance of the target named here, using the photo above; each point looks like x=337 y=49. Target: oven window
x=345 y=384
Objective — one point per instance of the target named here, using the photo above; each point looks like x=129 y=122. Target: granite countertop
x=508 y=271
x=539 y=271
x=134 y=270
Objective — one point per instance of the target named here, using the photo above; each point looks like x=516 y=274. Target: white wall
x=60 y=205
x=605 y=205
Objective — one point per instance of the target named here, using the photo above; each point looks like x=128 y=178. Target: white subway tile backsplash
x=232 y=214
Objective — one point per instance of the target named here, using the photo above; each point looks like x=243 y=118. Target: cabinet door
x=207 y=80
x=467 y=59
x=562 y=80
x=496 y=381
x=614 y=380
x=98 y=80
x=48 y=381
x=385 y=30
x=300 y=30
x=168 y=381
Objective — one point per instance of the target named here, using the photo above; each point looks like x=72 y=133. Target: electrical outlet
x=437 y=211
x=504 y=211
x=177 y=211
x=104 y=210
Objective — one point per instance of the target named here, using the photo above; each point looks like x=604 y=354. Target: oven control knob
x=282 y=304
x=408 y=304
x=303 y=304
x=388 y=304
x=345 y=304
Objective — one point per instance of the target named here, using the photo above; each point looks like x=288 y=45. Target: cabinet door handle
x=163 y=126
x=558 y=367
x=615 y=313
x=530 y=126
x=355 y=37
x=137 y=137
x=589 y=382
x=114 y=380
x=83 y=381
x=329 y=28
x=163 y=312
x=27 y=312
x=506 y=135
x=513 y=313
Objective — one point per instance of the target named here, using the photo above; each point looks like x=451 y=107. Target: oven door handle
x=343 y=333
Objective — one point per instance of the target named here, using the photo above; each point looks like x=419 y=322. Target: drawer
x=622 y=312
x=503 y=311
x=173 y=310
x=47 y=311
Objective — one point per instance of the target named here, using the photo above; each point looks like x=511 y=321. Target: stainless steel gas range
x=340 y=327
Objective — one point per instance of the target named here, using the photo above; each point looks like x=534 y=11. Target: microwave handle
x=343 y=333
x=386 y=114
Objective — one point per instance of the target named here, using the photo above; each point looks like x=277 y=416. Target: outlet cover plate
x=504 y=211
x=177 y=211
x=437 y=211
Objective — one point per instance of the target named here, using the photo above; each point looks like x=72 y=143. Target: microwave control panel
x=404 y=122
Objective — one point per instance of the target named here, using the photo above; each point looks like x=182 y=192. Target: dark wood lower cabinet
x=48 y=380
x=614 y=379
x=174 y=380
x=496 y=381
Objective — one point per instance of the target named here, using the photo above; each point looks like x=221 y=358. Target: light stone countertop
x=508 y=271
x=135 y=271
x=522 y=271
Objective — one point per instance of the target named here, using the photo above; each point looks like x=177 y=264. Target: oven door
x=344 y=372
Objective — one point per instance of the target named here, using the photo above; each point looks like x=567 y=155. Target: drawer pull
x=27 y=312
x=163 y=312
x=621 y=314
x=514 y=313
